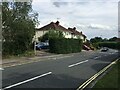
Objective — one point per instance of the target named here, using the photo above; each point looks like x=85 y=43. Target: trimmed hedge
x=63 y=45
x=113 y=45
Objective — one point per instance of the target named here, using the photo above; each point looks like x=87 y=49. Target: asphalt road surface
x=69 y=72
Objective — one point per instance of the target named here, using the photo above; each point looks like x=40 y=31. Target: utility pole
x=35 y=40
x=35 y=44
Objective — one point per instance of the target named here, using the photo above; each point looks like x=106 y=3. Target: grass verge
x=26 y=54
x=110 y=79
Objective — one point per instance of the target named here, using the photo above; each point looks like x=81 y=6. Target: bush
x=96 y=45
x=51 y=34
x=113 y=45
x=63 y=45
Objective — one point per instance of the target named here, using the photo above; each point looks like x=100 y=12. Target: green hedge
x=95 y=45
x=63 y=45
x=113 y=45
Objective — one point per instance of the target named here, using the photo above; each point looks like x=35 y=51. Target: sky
x=95 y=18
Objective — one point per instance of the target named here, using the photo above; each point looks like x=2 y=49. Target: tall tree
x=19 y=22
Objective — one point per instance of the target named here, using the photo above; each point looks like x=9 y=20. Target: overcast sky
x=92 y=17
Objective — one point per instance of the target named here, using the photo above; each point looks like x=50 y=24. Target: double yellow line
x=86 y=83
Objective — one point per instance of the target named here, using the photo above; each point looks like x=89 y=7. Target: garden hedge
x=113 y=45
x=63 y=45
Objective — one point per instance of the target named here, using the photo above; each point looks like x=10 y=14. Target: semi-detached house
x=68 y=33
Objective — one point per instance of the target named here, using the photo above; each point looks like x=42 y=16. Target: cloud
x=94 y=30
x=90 y=16
x=98 y=26
x=58 y=4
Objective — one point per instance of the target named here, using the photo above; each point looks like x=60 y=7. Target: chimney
x=57 y=23
x=69 y=28
x=74 y=28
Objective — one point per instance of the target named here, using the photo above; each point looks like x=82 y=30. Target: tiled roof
x=47 y=27
x=54 y=26
x=76 y=32
x=57 y=26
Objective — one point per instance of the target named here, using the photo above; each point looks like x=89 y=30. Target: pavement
x=40 y=56
x=62 y=72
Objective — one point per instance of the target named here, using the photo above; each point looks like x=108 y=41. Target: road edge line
x=88 y=81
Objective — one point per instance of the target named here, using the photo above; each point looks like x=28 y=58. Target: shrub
x=113 y=45
x=63 y=45
x=51 y=34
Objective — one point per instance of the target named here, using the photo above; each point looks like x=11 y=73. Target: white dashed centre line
x=27 y=81
x=78 y=63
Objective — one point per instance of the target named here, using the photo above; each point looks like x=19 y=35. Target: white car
x=104 y=49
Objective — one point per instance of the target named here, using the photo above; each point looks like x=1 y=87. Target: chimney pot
x=74 y=28
x=57 y=23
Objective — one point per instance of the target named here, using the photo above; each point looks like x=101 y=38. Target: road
x=69 y=72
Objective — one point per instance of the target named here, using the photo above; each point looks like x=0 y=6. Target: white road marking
x=86 y=83
x=26 y=81
x=1 y=69
x=78 y=63
x=111 y=53
x=97 y=57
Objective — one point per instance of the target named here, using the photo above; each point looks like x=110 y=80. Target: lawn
x=110 y=79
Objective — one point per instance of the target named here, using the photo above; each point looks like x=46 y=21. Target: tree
x=96 y=39
x=105 y=40
x=18 y=28
x=52 y=34
x=113 y=39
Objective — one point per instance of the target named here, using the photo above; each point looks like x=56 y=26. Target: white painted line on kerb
x=26 y=81
x=78 y=63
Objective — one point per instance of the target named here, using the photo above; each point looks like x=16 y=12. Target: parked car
x=85 y=47
x=42 y=45
x=104 y=49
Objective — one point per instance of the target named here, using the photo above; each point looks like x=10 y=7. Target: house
x=68 y=33
x=76 y=34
